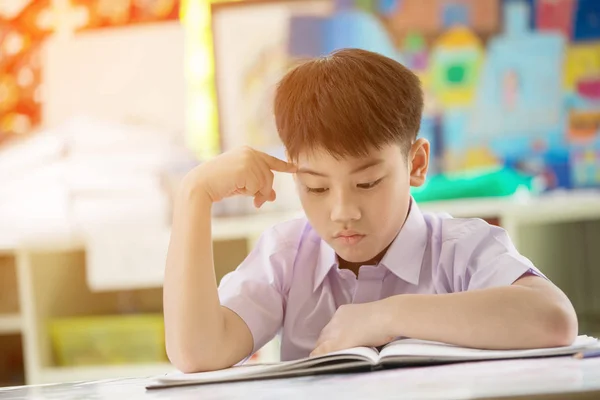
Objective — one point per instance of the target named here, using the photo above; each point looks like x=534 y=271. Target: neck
x=355 y=266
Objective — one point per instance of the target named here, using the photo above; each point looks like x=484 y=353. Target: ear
x=418 y=162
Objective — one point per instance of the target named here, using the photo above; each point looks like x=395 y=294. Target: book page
x=211 y=376
x=365 y=354
x=368 y=353
x=412 y=348
x=351 y=356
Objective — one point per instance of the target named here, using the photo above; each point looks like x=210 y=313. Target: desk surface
x=549 y=378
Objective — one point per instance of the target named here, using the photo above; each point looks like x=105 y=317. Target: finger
x=267 y=181
x=276 y=164
x=254 y=181
x=316 y=352
x=259 y=200
x=322 y=338
x=265 y=177
x=266 y=192
x=327 y=335
x=322 y=349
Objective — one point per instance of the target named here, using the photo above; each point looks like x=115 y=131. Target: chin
x=355 y=255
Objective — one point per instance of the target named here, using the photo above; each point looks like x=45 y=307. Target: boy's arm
x=531 y=313
x=496 y=299
x=200 y=334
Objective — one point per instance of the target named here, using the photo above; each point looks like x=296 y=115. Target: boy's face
x=358 y=205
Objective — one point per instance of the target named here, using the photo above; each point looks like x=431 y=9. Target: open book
x=399 y=353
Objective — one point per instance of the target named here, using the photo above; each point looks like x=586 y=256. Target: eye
x=316 y=190
x=369 y=185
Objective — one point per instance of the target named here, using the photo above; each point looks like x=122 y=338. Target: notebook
x=399 y=353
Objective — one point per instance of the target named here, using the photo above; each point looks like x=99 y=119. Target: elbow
x=560 y=327
x=189 y=365
x=185 y=364
x=188 y=360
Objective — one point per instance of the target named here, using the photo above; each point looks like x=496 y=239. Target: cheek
x=315 y=209
x=388 y=204
x=311 y=204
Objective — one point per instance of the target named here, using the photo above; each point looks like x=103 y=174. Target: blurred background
x=106 y=104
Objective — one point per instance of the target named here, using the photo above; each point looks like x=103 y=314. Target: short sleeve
x=485 y=257
x=257 y=289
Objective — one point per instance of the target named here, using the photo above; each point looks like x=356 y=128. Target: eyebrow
x=367 y=165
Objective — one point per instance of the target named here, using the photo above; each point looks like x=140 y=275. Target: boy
x=366 y=265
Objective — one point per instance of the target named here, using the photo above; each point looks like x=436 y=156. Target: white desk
x=552 y=378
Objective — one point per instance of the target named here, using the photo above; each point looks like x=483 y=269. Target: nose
x=344 y=208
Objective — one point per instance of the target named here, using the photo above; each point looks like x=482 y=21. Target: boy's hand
x=353 y=325
x=242 y=171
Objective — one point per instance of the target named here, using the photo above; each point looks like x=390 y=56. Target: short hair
x=348 y=103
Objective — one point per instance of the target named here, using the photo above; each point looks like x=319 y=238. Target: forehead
x=321 y=157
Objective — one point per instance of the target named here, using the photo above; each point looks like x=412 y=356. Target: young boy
x=365 y=265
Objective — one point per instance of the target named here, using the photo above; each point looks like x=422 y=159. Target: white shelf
x=101 y=372
x=223 y=228
x=464 y=208
x=556 y=207
x=10 y=324
x=246 y=226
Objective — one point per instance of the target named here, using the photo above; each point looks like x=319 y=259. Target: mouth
x=349 y=238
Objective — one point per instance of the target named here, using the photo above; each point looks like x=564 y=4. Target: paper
x=18 y=160
x=235 y=372
x=441 y=351
x=126 y=256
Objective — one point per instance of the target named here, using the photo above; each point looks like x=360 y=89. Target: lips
x=348 y=237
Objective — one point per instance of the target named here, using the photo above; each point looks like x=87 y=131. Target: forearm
x=194 y=321
x=499 y=318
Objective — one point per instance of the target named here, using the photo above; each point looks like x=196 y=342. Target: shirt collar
x=403 y=258
x=405 y=255
x=327 y=260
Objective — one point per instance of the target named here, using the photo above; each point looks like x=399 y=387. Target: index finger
x=277 y=164
x=321 y=350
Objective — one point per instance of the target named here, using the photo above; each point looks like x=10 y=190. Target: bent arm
x=531 y=313
x=201 y=335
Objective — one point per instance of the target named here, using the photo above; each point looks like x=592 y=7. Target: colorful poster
x=513 y=83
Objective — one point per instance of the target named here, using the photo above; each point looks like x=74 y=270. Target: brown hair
x=348 y=103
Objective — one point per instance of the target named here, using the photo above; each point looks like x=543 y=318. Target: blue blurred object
x=517 y=18
x=552 y=167
x=317 y=36
x=387 y=7
x=456 y=13
x=521 y=90
x=587 y=20
x=429 y=130
x=454 y=126
x=342 y=5
x=306 y=36
x=357 y=29
x=531 y=4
